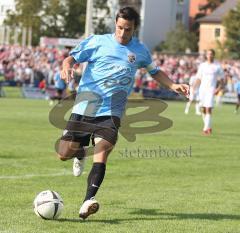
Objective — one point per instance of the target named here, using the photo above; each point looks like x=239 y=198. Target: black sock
x=81 y=153
x=95 y=179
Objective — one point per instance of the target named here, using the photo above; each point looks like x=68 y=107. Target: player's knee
x=66 y=150
x=61 y=157
x=63 y=154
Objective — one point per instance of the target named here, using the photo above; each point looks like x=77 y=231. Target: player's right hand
x=67 y=75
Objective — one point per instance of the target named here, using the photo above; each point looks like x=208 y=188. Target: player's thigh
x=209 y=110
x=102 y=149
x=72 y=141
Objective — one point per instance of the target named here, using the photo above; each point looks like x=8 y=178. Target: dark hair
x=129 y=13
x=213 y=51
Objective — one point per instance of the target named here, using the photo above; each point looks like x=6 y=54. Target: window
x=179 y=16
x=180 y=2
x=217 y=32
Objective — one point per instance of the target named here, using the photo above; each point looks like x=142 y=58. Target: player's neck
x=210 y=61
x=124 y=44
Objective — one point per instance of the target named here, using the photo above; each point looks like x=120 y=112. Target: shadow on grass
x=201 y=216
x=156 y=214
x=78 y=220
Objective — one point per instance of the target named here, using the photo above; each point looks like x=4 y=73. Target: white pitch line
x=27 y=176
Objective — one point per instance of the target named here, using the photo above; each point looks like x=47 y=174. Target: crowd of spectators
x=37 y=66
x=181 y=68
x=29 y=66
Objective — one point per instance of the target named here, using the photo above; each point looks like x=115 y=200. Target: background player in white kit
x=209 y=72
x=194 y=96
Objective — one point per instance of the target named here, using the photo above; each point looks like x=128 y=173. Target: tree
x=101 y=17
x=221 y=51
x=54 y=18
x=26 y=15
x=232 y=26
x=178 y=40
x=75 y=18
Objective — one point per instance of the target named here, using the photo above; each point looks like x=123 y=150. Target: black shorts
x=238 y=97
x=59 y=91
x=83 y=128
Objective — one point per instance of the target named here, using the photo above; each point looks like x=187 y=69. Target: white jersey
x=208 y=73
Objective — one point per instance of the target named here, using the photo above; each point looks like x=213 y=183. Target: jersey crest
x=132 y=57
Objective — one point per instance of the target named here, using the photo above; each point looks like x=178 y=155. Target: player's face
x=124 y=30
x=210 y=56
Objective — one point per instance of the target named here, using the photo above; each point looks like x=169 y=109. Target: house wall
x=209 y=34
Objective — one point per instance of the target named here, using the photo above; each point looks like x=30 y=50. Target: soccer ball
x=48 y=204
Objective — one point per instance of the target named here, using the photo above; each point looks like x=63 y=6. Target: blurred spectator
x=237 y=88
x=30 y=66
x=42 y=86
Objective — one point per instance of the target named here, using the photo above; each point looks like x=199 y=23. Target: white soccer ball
x=48 y=204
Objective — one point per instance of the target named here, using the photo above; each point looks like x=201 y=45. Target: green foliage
x=75 y=18
x=178 y=40
x=27 y=14
x=232 y=26
x=221 y=52
x=99 y=23
x=54 y=18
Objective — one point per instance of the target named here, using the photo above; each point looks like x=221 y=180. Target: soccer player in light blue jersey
x=237 y=88
x=60 y=86
x=107 y=81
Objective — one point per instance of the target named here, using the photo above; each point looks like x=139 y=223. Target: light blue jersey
x=237 y=87
x=58 y=82
x=109 y=76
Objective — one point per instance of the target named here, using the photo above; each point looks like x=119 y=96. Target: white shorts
x=206 y=99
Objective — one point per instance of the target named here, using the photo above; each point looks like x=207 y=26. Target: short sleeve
x=84 y=51
x=149 y=64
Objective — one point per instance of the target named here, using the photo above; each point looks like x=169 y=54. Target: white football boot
x=88 y=207
x=78 y=166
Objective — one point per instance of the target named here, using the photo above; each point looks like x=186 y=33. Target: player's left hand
x=181 y=89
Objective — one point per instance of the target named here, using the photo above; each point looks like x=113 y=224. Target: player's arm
x=196 y=84
x=164 y=80
x=67 y=72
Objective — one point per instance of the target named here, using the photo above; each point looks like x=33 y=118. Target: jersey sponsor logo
x=120 y=70
x=125 y=81
x=132 y=57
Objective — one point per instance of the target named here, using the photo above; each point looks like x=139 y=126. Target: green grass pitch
x=171 y=194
